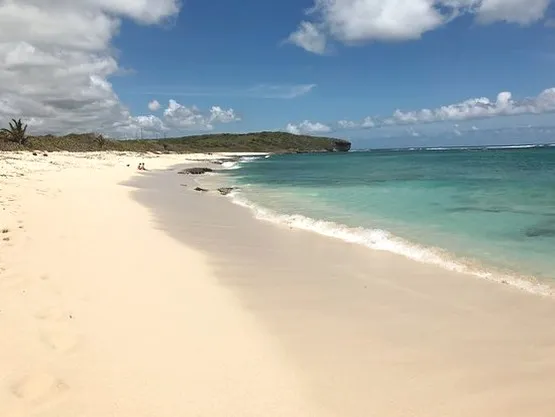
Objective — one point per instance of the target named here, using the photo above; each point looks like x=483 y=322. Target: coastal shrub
x=226 y=142
x=101 y=141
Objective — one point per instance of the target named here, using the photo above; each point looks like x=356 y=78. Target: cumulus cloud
x=176 y=118
x=154 y=105
x=56 y=60
x=307 y=127
x=479 y=108
x=475 y=108
x=140 y=126
x=219 y=115
x=355 y=21
x=347 y=124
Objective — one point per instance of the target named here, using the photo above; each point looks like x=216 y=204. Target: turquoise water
x=489 y=210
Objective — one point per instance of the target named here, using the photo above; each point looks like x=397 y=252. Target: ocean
x=486 y=211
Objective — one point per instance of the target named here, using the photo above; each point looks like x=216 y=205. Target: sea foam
x=383 y=240
x=237 y=164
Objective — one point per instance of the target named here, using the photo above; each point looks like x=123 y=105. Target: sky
x=379 y=72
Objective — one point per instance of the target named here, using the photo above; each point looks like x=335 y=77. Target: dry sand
x=185 y=305
x=101 y=314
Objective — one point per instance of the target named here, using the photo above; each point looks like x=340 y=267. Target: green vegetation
x=227 y=142
x=16 y=132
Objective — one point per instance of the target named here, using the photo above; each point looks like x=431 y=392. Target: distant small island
x=274 y=142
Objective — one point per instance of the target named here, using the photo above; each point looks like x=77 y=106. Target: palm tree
x=16 y=132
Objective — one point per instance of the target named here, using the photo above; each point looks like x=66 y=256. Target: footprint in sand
x=39 y=387
x=60 y=341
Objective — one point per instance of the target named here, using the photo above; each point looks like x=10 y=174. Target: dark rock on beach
x=196 y=171
x=200 y=189
x=226 y=190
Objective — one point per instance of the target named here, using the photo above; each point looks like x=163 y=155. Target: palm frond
x=16 y=131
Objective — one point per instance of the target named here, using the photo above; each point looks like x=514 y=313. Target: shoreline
x=127 y=293
x=408 y=249
x=360 y=325
x=385 y=241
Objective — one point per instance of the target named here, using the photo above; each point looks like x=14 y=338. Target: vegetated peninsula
x=276 y=142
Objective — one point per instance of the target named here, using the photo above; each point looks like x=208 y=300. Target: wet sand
x=371 y=333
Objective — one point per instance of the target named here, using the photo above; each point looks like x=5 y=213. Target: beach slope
x=102 y=314
x=126 y=293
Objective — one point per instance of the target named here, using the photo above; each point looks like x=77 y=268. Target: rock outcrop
x=196 y=171
x=340 y=145
x=226 y=190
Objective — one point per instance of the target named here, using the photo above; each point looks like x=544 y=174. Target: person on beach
x=141 y=166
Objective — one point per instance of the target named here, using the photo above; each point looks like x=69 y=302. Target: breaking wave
x=383 y=240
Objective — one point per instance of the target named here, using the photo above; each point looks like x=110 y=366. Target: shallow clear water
x=494 y=208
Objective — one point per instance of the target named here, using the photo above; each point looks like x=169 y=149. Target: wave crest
x=236 y=164
x=383 y=240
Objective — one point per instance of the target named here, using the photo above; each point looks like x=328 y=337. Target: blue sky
x=342 y=69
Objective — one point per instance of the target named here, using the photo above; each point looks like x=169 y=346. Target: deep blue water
x=487 y=209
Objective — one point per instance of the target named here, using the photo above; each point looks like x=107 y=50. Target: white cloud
x=368 y=122
x=56 y=59
x=176 y=117
x=355 y=21
x=347 y=124
x=270 y=91
x=280 y=91
x=475 y=108
x=307 y=127
x=522 y=12
x=309 y=37
x=154 y=105
x=140 y=126
x=219 y=115
x=482 y=107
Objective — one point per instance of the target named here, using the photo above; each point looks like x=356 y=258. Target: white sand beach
x=104 y=315
x=124 y=293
